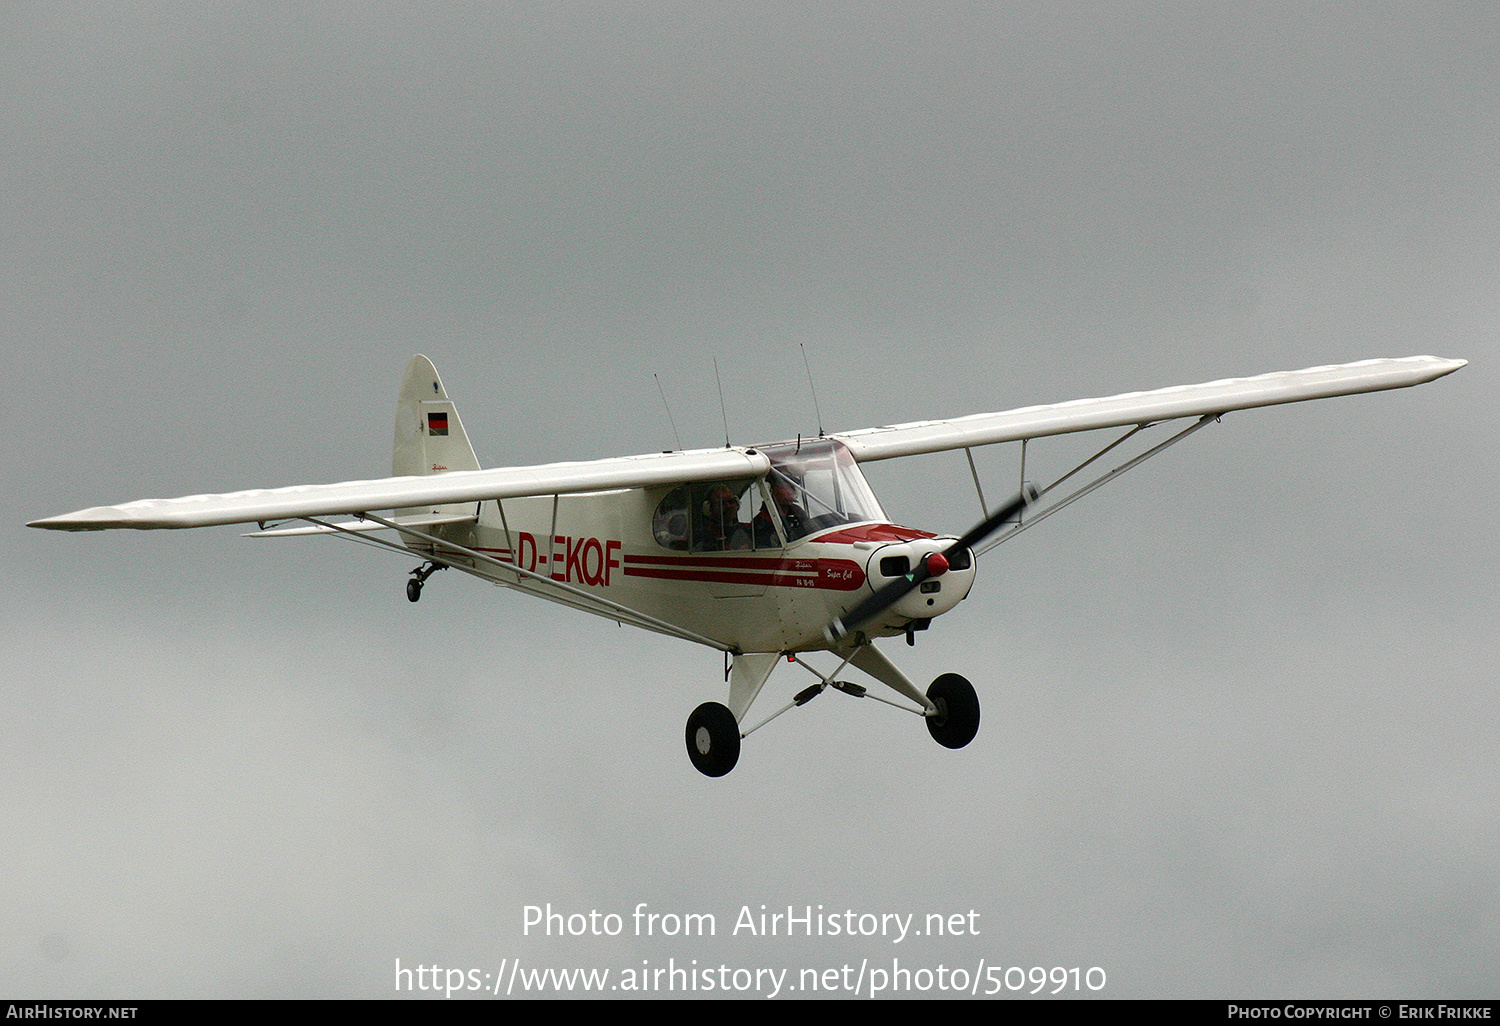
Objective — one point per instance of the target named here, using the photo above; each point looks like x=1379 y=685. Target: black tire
x=957 y=719
x=413 y=589
x=713 y=739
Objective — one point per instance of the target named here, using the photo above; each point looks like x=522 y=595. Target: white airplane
x=766 y=552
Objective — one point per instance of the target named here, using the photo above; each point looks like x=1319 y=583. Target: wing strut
x=1100 y=481
x=983 y=508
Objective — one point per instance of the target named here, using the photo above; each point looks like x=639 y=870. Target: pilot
x=793 y=516
x=719 y=528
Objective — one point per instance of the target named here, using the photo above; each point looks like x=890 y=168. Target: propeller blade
x=892 y=593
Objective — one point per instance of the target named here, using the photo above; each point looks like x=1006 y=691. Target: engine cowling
x=933 y=597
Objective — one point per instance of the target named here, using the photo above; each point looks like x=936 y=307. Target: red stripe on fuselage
x=738 y=562
x=828 y=574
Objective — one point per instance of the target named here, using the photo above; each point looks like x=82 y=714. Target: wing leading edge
x=404 y=492
x=1212 y=397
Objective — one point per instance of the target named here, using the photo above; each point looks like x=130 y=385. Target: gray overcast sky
x=1240 y=715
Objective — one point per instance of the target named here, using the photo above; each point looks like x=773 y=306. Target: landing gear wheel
x=713 y=739
x=413 y=589
x=957 y=719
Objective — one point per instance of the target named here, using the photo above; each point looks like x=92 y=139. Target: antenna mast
x=814 y=388
x=721 y=402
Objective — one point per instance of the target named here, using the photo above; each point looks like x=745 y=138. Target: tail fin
x=430 y=438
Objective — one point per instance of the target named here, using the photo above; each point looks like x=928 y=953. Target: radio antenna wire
x=670 y=419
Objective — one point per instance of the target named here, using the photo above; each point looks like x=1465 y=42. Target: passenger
x=670 y=522
x=719 y=528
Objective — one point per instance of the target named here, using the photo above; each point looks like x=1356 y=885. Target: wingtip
x=1424 y=368
x=97 y=519
x=53 y=525
x=1446 y=366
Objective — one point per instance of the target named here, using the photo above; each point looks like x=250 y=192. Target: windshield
x=816 y=485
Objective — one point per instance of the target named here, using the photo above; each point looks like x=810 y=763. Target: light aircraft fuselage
x=757 y=595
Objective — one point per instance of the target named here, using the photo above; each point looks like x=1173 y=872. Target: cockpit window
x=717 y=516
x=670 y=522
x=812 y=486
x=816 y=485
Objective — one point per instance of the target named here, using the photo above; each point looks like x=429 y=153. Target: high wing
x=1209 y=398
x=265 y=504
x=657 y=469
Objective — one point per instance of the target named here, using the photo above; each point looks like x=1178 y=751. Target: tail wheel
x=419 y=577
x=957 y=718
x=713 y=739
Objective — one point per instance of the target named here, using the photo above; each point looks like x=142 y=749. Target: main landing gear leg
x=952 y=707
x=713 y=731
x=873 y=661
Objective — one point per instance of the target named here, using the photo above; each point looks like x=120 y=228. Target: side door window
x=717 y=516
